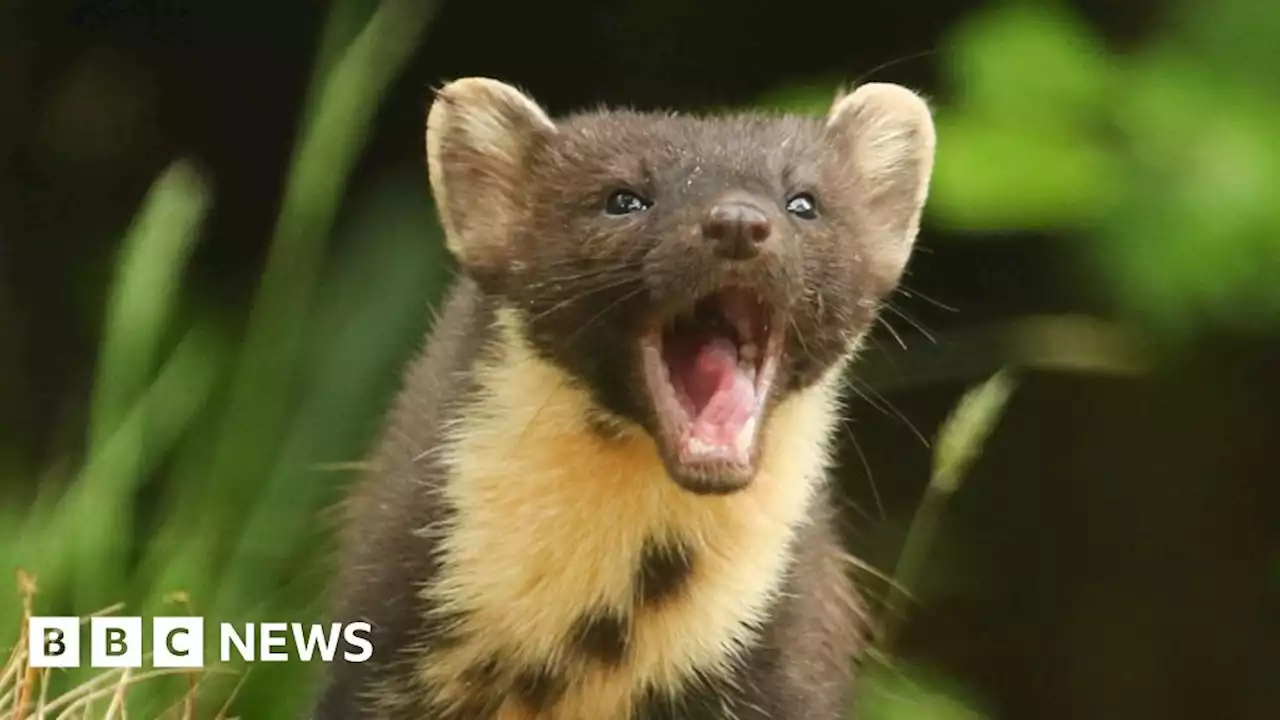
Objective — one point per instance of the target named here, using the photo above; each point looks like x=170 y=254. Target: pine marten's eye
x=625 y=202
x=802 y=205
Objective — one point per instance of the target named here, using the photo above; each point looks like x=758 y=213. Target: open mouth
x=709 y=372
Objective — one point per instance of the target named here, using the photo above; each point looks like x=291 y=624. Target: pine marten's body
x=601 y=492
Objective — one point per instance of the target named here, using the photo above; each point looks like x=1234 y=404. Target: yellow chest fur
x=551 y=520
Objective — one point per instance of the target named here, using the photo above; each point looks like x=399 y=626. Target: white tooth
x=743 y=441
x=696 y=445
x=748 y=351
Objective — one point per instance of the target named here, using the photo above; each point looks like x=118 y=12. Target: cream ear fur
x=478 y=135
x=890 y=133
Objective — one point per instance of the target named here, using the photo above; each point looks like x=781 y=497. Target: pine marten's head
x=688 y=272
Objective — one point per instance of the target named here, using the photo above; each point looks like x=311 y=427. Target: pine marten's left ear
x=479 y=136
x=886 y=133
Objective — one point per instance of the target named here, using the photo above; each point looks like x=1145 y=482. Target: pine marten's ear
x=886 y=134
x=479 y=136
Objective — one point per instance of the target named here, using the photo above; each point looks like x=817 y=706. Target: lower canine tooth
x=748 y=351
x=742 y=442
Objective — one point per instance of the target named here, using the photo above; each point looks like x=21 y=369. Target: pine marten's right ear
x=479 y=136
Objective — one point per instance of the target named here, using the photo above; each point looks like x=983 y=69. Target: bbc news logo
x=179 y=642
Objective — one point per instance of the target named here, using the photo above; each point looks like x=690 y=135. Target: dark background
x=1115 y=551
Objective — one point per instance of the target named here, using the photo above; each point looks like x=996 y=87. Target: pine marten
x=600 y=494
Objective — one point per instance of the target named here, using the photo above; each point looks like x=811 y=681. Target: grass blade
x=958 y=444
x=150 y=265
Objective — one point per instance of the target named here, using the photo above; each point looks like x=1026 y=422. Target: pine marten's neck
x=575 y=553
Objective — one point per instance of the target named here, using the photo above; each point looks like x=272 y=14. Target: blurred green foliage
x=906 y=692
x=302 y=387
x=1164 y=159
x=1161 y=160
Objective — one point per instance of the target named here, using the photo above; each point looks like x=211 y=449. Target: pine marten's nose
x=738 y=228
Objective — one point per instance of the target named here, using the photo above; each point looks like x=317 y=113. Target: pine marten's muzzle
x=711 y=356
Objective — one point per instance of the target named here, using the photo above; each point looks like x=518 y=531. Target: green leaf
x=908 y=692
x=152 y=259
x=1196 y=236
x=1001 y=174
x=1033 y=63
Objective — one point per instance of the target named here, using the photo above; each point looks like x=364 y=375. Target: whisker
x=856 y=507
x=866 y=467
x=911 y=293
x=620 y=282
x=890 y=357
x=893 y=63
x=872 y=343
x=879 y=402
x=911 y=321
x=586 y=273
x=887 y=407
x=799 y=337
x=603 y=311
x=887 y=326
x=875 y=404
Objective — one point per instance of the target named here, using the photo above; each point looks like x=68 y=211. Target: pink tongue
x=723 y=393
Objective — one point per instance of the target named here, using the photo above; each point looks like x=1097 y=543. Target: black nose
x=737 y=228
